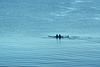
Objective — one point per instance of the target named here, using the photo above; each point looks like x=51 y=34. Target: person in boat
x=68 y=36
x=57 y=36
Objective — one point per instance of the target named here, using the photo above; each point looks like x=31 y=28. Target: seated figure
x=57 y=36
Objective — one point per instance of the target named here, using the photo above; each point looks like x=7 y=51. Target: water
x=26 y=24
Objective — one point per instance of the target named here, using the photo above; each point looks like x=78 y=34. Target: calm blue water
x=26 y=24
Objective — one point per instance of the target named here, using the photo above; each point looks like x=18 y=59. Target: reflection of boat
x=59 y=37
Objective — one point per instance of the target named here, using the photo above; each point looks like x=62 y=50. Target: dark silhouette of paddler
x=57 y=36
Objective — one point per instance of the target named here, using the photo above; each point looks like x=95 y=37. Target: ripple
x=79 y=1
x=64 y=12
x=96 y=18
x=82 y=1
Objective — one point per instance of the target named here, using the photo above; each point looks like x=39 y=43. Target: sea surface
x=26 y=24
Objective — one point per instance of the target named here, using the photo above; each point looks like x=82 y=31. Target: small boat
x=59 y=37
